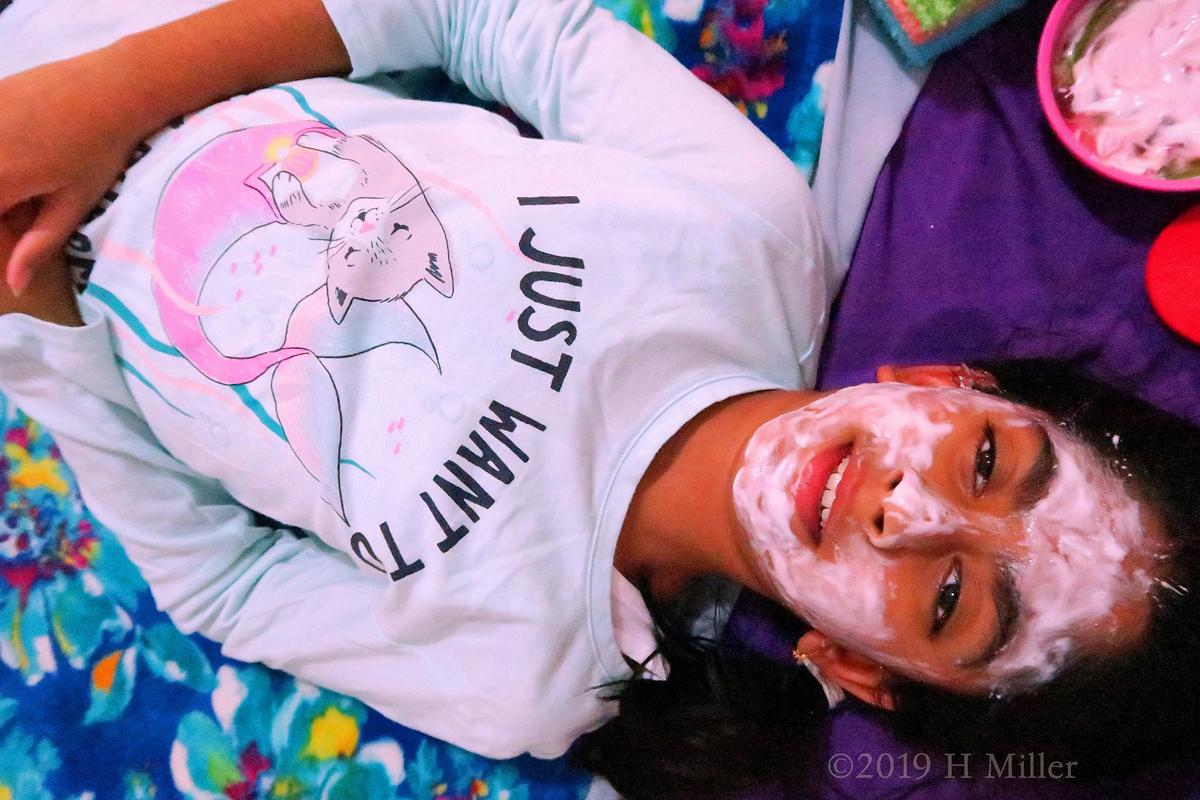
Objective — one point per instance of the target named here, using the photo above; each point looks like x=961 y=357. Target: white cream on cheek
x=765 y=501
x=845 y=598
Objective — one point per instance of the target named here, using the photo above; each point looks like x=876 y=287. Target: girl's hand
x=51 y=297
x=67 y=131
x=69 y=128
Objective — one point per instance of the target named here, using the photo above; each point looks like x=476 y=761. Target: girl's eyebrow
x=1008 y=609
x=1036 y=483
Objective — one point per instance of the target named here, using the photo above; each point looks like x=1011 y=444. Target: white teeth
x=831 y=490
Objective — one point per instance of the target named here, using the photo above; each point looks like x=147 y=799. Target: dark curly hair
x=728 y=719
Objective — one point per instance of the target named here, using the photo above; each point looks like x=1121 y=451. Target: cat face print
x=383 y=235
x=382 y=247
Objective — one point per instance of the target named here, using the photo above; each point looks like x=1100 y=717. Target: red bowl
x=1064 y=22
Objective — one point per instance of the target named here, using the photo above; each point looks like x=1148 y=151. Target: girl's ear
x=937 y=375
x=855 y=673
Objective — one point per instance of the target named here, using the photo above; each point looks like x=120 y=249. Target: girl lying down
x=488 y=385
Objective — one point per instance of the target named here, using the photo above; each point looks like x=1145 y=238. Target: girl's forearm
x=183 y=66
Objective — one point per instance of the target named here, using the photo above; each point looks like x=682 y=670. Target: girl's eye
x=947 y=597
x=985 y=459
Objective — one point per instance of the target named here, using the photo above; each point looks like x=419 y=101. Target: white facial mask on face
x=844 y=598
x=1069 y=569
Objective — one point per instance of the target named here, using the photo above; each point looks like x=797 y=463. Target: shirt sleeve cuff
x=365 y=57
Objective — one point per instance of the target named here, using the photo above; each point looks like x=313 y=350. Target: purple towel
x=986 y=239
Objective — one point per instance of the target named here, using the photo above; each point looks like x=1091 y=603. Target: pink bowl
x=1060 y=28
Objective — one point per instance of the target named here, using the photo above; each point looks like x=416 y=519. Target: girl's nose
x=881 y=526
x=910 y=514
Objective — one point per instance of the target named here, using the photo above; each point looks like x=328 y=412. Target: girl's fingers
x=17 y=276
x=58 y=217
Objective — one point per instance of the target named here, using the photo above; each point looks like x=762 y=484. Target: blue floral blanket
x=101 y=697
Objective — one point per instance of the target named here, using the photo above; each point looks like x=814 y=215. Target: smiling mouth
x=831 y=491
x=815 y=490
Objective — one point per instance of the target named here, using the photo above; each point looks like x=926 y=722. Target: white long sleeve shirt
x=446 y=352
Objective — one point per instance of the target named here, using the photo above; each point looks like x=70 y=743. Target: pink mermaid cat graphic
x=282 y=246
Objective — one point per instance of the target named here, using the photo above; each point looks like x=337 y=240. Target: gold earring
x=801 y=658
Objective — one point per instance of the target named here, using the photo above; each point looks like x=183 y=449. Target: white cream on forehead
x=1074 y=572
x=1075 y=539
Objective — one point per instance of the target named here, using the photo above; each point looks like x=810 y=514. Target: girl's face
x=946 y=534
